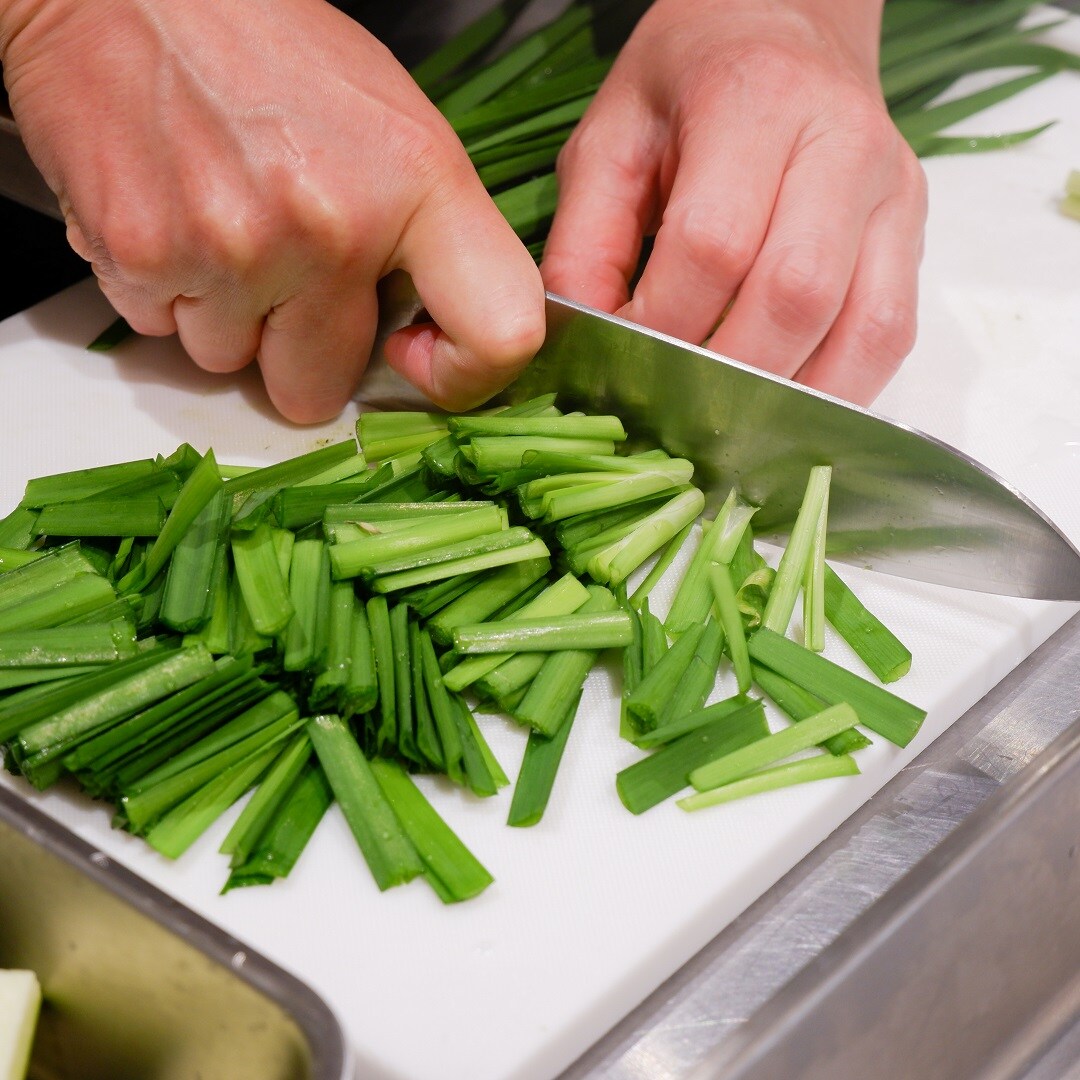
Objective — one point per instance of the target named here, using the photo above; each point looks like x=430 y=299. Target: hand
x=753 y=140
x=243 y=174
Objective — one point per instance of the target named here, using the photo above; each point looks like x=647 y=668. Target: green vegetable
x=891 y=717
x=667 y=771
x=306 y=632
x=536 y=778
x=390 y=854
x=879 y=648
x=781 y=744
x=803 y=771
x=598 y=630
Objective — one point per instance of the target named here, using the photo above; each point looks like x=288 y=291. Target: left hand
x=754 y=141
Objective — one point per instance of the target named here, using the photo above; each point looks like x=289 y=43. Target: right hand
x=243 y=174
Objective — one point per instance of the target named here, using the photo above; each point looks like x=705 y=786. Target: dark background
x=36 y=249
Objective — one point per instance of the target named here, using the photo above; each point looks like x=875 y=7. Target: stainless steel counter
x=935 y=934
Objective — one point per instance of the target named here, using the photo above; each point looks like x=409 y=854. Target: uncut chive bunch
x=176 y=634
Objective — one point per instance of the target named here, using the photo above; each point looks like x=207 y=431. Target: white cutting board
x=593 y=908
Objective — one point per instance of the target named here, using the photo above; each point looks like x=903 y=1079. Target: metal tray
x=936 y=934
x=135 y=985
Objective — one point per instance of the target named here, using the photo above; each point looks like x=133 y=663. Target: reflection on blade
x=901 y=502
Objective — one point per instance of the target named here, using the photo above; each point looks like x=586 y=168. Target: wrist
x=852 y=25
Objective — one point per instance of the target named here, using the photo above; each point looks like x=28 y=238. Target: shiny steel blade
x=901 y=502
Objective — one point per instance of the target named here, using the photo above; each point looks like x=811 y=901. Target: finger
x=482 y=289
x=876 y=329
x=147 y=311
x=315 y=347
x=797 y=284
x=712 y=228
x=216 y=333
x=607 y=192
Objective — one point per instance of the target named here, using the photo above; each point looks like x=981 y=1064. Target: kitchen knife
x=901 y=502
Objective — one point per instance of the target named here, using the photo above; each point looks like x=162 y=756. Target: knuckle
x=886 y=330
x=805 y=291
x=133 y=247
x=713 y=244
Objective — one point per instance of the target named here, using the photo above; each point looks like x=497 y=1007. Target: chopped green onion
x=805 y=770
x=791 y=572
x=662 y=774
x=390 y=854
x=540 y=763
x=886 y=656
x=775 y=747
x=878 y=709
x=598 y=630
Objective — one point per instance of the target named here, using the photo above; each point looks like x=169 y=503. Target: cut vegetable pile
x=177 y=635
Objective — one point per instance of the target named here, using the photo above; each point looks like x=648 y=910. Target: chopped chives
x=685 y=723
x=774 y=747
x=561 y=427
x=539 y=765
x=805 y=770
x=727 y=611
x=666 y=771
x=83 y=483
x=445 y=857
x=202 y=484
x=501 y=554
x=718 y=543
x=374 y=551
x=186 y=604
x=403 y=703
x=390 y=854
x=878 y=709
x=486 y=596
x=495 y=453
x=660 y=567
x=616 y=563
x=361 y=691
x=286 y=834
x=88 y=643
x=183 y=824
x=309 y=593
x=262 y=583
x=442 y=711
x=595 y=630
x=648 y=703
x=291 y=471
x=791 y=572
x=333 y=672
x=798 y=704
x=102 y=517
x=428 y=744
x=558 y=683
x=697 y=682
x=275 y=786
x=378 y=618
x=56 y=734
x=814 y=584
x=882 y=652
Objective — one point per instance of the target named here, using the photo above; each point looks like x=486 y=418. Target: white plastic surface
x=593 y=908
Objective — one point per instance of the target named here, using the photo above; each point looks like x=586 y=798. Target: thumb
x=483 y=291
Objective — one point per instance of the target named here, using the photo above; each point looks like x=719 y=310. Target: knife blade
x=901 y=502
